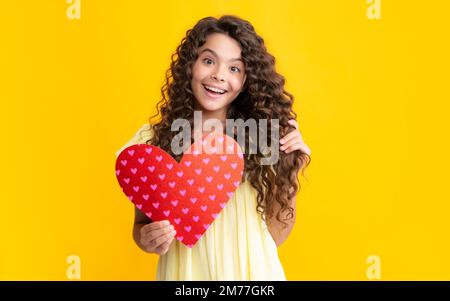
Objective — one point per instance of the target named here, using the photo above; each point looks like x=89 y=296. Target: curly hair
x=262 y=97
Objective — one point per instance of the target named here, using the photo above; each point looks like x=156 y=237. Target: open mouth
x=215 y=92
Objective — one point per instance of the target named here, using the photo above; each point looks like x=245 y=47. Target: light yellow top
x=237 y=246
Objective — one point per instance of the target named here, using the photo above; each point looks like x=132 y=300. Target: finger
x=162 y=249
x=148 y=236
x=152 y=244
x=291 y=142
x=162 y=239
x=294 y=123
x=303 y=147
x=153 y=226
x=289 y=136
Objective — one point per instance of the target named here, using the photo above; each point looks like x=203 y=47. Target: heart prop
x=189 y=194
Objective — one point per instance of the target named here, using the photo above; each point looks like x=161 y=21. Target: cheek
x=196 y=79
x=236 y=83
x=199 y=72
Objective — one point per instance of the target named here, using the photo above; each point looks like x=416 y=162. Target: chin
x=211 y=107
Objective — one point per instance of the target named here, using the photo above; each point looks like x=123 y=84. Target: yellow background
x=371 y=95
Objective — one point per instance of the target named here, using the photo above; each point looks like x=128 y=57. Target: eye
x=207 y=61
x=235 y=69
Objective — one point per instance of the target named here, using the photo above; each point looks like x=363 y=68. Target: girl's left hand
x=294 y=141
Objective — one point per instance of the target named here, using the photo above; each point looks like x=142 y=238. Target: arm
x=276 y=228
x=291 y=142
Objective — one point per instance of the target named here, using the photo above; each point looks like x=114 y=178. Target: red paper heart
x=189 y=194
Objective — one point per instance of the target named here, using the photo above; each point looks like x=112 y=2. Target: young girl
x=222 y=68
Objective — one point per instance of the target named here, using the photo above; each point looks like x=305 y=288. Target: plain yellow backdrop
x=371 y=96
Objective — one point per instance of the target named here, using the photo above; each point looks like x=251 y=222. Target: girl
x=222 y=68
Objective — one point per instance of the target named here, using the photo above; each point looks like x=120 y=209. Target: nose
x=218 y=75
x=221 y=79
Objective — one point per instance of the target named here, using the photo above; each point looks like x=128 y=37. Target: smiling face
x=218 y=75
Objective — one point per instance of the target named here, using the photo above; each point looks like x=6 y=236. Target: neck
x=220 y=114
x=206 y=115
x=208 y=121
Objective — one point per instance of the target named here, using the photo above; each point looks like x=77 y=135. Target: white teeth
x=215 y=89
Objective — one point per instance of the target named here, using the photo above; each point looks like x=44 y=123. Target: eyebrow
x=215 y=54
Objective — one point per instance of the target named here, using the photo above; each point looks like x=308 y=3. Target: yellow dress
x=237 y=246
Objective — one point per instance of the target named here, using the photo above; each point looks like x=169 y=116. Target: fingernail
x=171 y=227
x=166 y=223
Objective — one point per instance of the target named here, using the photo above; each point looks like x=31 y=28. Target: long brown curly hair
x=262 y=97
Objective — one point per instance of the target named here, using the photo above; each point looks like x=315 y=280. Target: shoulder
x=143 y=134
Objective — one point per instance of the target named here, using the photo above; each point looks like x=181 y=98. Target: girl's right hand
x=156 y=237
